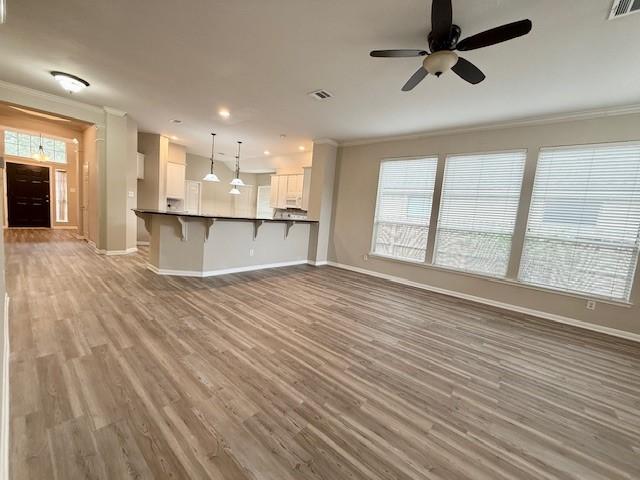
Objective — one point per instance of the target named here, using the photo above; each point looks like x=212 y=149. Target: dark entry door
x=28 y=195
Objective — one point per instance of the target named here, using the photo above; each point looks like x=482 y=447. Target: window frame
x=484 y=275
x=574 y=293
x=429 y=226
x=57 y=199
x=34 y=135
x=522 y=221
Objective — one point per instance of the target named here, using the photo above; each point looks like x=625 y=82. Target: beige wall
x=215 y=195
x=132 y=182
x=72 y=167
x=118 y=175
x=355 y=197
x=4 y=339
x=321 y=195
x=91 y=160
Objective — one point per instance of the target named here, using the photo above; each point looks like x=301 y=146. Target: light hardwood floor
x=298 y=373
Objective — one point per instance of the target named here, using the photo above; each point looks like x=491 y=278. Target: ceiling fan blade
x=441 y=19
x=496 y=35
x=397 y=53
x=415 y=79
x=468 y=71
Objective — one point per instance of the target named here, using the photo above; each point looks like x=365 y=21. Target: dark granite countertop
x=218 y=217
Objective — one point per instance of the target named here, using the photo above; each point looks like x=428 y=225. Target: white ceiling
x=160 y=60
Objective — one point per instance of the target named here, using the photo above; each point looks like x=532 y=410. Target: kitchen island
x=194 y=245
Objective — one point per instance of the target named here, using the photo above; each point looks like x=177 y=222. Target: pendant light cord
x=238 y=161
x=213 y=142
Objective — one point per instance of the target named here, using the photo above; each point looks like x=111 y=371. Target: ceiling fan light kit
x=440 y=62
x=444 y=38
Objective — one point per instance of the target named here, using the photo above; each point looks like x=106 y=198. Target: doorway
x=28 y=193
x=193 y=200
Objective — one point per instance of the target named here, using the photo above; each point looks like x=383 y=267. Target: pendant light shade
x=234 y=191
x=237 y=181
x=211 y=176
x=40 y=155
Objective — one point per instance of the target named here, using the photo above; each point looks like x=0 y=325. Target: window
x=26 y=145
x=584 y=220
x=61 y=196
x=480 y=197
x=403 y=208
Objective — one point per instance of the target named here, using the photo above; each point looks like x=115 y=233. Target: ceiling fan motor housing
x=436 y=45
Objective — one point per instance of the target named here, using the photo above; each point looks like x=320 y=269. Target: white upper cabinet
x=140 y=159
x=175 y=180
x=287 y=191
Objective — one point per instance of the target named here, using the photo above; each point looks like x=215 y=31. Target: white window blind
x=403 y=208
x=478 y=210
x=61 y=197
x=584 y=221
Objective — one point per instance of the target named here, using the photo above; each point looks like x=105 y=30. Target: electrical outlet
x=591 y=304
x=251 y=252
x=365 y=257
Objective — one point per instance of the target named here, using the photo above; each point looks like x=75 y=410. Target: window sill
x=503 y=281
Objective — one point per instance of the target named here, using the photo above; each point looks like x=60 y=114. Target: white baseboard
x=111 y=253
x=493 y=303
x=4 y=401
x=317 y=264
x=226 y=271
x=143 y=244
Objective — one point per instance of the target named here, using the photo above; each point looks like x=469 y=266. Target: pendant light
x=40 y=155
x=211 y=177
x=237 y=181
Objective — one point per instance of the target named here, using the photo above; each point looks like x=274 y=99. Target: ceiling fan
x=444 y=39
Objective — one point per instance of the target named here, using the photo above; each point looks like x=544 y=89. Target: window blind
x=480 y=197
x=61 y=196
x=403 y=208
x=584 y=220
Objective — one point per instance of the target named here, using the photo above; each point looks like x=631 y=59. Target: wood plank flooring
x=298 y=373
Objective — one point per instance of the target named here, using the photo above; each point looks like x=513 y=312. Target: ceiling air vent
x=624 y=7
x=323 y=94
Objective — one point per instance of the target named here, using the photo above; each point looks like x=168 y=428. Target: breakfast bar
x=195 y=245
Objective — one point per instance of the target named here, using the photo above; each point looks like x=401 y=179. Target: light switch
x=132 y=194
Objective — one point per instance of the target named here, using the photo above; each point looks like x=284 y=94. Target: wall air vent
x=624 y=7
x=323 y=94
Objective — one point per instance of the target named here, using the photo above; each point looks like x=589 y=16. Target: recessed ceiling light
x=70 y=83
x=224 y=113
x=301 y=148
x=176 y=121
x=267 y=152
x=173 y=137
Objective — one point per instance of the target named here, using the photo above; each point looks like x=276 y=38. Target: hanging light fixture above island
x=237 y=181
x=211 y=176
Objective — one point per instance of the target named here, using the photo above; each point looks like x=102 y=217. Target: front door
x=28 y=195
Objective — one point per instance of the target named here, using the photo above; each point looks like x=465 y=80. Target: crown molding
x=524 y=122
x=49 y=96
x=325 y=141
x=115 y=111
